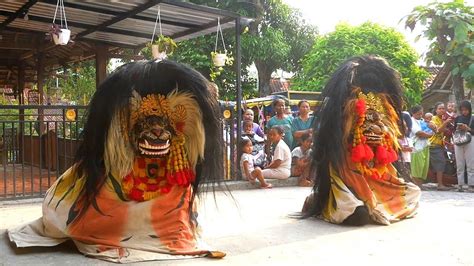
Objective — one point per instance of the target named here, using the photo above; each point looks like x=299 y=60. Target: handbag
x=461 y=138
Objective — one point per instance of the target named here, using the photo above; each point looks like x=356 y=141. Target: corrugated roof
x=25 y=24
x=121 y=23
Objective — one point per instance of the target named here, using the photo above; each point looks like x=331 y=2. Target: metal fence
x=38 y=144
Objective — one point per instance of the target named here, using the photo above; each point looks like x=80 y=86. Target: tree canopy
x=450 y=28
x=330 y=50
x=75 y=83
x=277 y=39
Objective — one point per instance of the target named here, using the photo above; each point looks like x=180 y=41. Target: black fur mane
x=146 y=77
x=371 y=74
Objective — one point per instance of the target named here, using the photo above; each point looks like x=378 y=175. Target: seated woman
x=301 y=161
x=280 y=165
x=151 y=137
x=356 y=145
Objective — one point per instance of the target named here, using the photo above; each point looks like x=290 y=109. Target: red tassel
x=358 y=153
x=360 y=107
x=393 y=156
x=170 y=179
x=381 y=155
x=369 y=154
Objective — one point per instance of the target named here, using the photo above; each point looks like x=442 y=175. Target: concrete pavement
x=253 y=228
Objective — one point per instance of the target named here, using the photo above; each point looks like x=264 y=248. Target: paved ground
x=254 y=229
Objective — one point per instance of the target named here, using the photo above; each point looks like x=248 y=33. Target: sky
x=328 y=13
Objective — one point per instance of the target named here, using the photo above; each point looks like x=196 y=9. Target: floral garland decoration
x=370 y=161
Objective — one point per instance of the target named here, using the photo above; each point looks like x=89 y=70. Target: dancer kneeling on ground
x=249 y=171
x=301 y=161
x=280 y=165
x=355 y=146
x=152 y=135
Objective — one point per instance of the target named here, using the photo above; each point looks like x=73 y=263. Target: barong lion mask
x=160 y=128
x=152 y=135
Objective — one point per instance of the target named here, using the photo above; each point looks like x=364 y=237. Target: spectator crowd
x=282 y=150
x=436 y=146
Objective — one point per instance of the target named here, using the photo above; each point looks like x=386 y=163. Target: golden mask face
x=373 y=128
x=152 y=135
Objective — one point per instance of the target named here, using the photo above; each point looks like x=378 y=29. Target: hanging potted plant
x=219 y=59
x=162 y=47
x=60 y=33
x=219 y=63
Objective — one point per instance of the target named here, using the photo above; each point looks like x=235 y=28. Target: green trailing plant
x=165 y=44
x=215 y=71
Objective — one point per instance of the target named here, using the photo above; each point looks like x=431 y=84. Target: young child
x=428 y=117
x=425 y=128
x=247 y=128
x=249 y=172
x=280 y=166
x=450 y=128
x=258 y=143
x=301 y=160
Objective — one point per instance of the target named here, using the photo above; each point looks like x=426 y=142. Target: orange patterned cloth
x=388 y=199
x=367 y=177
x=114 y=228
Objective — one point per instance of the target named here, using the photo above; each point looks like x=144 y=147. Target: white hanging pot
x=219 y=60
x=156 y=52
x=62 y=38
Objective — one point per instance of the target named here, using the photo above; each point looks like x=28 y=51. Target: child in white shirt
x=280 y=166
x=249 y=172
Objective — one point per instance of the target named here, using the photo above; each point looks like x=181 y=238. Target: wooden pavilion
x=100 y=30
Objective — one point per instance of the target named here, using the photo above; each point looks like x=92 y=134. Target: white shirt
x=297 y=152
x=406 y=156
x=282 y=152
x=418 y=143
x=249 y=158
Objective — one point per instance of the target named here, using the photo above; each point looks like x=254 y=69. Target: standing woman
x=465 y=153
x=437 y=150
x=420 y=157
x=302 y=124
x=281 y=119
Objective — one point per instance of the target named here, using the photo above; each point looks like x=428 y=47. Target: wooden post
x=101 y=58
x=40 y=77
x=21 y=113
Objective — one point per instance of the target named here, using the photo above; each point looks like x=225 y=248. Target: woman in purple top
x=248 y=116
